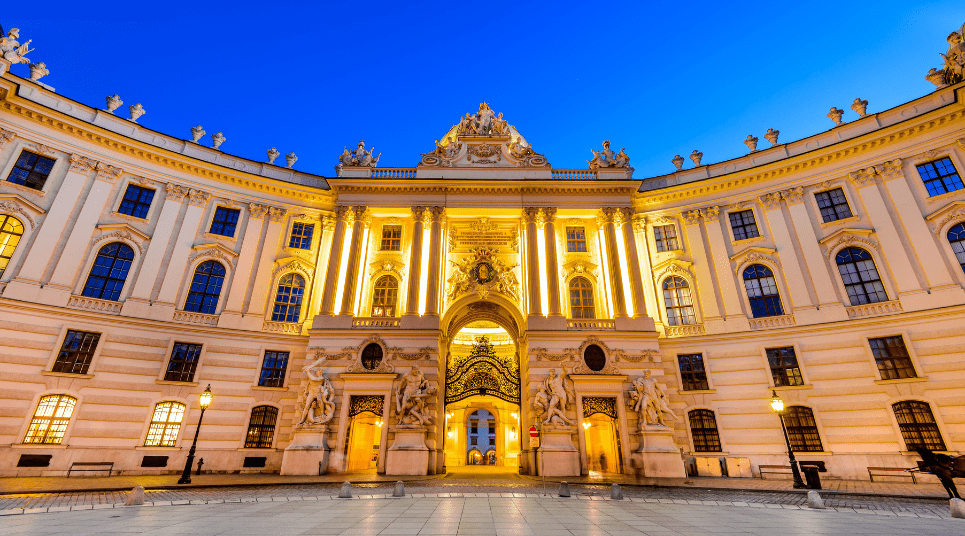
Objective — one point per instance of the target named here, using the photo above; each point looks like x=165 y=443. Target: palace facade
x=410 y=320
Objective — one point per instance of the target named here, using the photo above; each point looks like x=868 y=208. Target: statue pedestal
x=658 y=456
x=308 y=452
x=557 y=456
x=408 y=454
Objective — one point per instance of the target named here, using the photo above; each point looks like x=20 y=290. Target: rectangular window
x=31 y=170
x=692 y=372
x=784 y=367
x=183 y=363
x=666 y=237
x=743 y=225
x=892 y=358
x=391 y=238
x=576 y=239
x=76 y=352
x=940 y=177
x=301 y=236
x=833 y=204
x=225 y=221
x=273 y=369
x=137 y=201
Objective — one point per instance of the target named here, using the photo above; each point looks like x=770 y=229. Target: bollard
x=815 y=500
x=616 y=493
x=346 y=491
x=399 y=490
x=958 y=508
x=136 y=497
x=564 y=489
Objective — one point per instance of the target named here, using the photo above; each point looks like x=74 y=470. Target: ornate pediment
x=482 y=272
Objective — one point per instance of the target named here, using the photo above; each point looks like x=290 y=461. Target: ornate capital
x=257 y=211
x=81 y=164
x=793 y=195
x=175 y=192
x=863 y=177
x=692 y=217
x=710 y=213
x=6 y=137
x=890 y=170
x=107 y=173
x=771 y=200
x=276 y=214
x=198 y=198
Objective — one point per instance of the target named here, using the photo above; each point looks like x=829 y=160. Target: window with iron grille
x=391 y=238
x=205 y=288
x=833 y=205
x=183 y=362
x=940 y=177
x=581 y=298
x=385 y=296
x=692 y=373
x=575 y=239
x=679 y=301
x=288 y=299
x=273 y=369
x=165 y=425
x=743 y=225
x=261 y=427
x=31 y=170
x=301 y=235
x=860 y=276
x=50 y=420
x=107 y=276
x=11 y=231
x=918 y=426
x=225 y=221
x=762 y=291
x=956 y=237
x=137 y=201
x=76 y=352
x=802 y=429
x=892 y=358
x=666 y=237
x=784 y=367
x=703 y=429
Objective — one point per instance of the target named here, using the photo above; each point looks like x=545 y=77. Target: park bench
x=894 y=471
x=774 y=469
x=91 y=466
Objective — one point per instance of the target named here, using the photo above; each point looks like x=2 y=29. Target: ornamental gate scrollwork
x=366 y=403
x=482 y=372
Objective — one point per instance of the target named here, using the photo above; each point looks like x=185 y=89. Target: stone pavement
x=515 y=515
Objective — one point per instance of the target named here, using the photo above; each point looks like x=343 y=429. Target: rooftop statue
x=12 y=50
x=359 y=157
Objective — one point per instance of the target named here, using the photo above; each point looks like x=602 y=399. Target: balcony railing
x=375 y=322
x=684 y=331
x=590 y=324
x=574 y=174
x=195 y=318
x=874 y=309
x=771 y=322
x=93 y=304
x=393 y=173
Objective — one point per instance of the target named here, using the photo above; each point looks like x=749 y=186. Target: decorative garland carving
x=366 y=403
x=600 y=404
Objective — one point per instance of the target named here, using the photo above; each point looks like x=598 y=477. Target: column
x=435 y=260
x=342 y=214
x=613 y=264
x=174 y=272
x=552 y=261
x=26 y=286
x=76 y=248
x=415 y=263
x=531 y=215
x=246 y=259
x=353 y=268
x=636 y=279
x=733 y=312
x=261 y=290
x=157 y=248
x=817 y=265
x=790 y=265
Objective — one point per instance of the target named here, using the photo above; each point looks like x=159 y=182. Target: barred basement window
x=784 y=367
x=581 y=298
x=183 y=363
x=107 y=276
x=692 y=372
x=802 y=429
x=273 y=369
x=31 y=170
x=391 y=238
x=288 y=299
x=11 y=230
x=385 y=296
x=50 y=420
x=165 y=425
x=918 y=426
x=679 y=301
x=137 y=201
x=762 y=291
x=665 y=237
x=225 y=221
x=743 y=225
x=205 y=288
x=940 y=177
x=301 y=236
x=576 y=239
x=76 y=352
x=703 y=429
x=860 y=276
x=833 y=205
x=261 y=427
x=956 y=237
x=892 y=358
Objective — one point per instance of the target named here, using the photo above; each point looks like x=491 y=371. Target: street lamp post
x=204 y=401
x=777 y=404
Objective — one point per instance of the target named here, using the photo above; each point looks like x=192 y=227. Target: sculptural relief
x=410 y=398
x=650 y=401
x=317 y=400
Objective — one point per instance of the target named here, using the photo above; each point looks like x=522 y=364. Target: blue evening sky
x=658 y=79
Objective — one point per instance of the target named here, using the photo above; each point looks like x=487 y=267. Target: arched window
x=918 y=426
x=385 y=296
x=372 y=356
x=860 y=276
x=165 y=425
x=802 y=429
x=261 y=427
x=703 y=428
x=581 y=298
x=50 y=419
x=205 y=288
x=288 y=299
x=679 y=301
x=762 y=291
x=956 y=237
x=109 y=272
x=11 y=229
